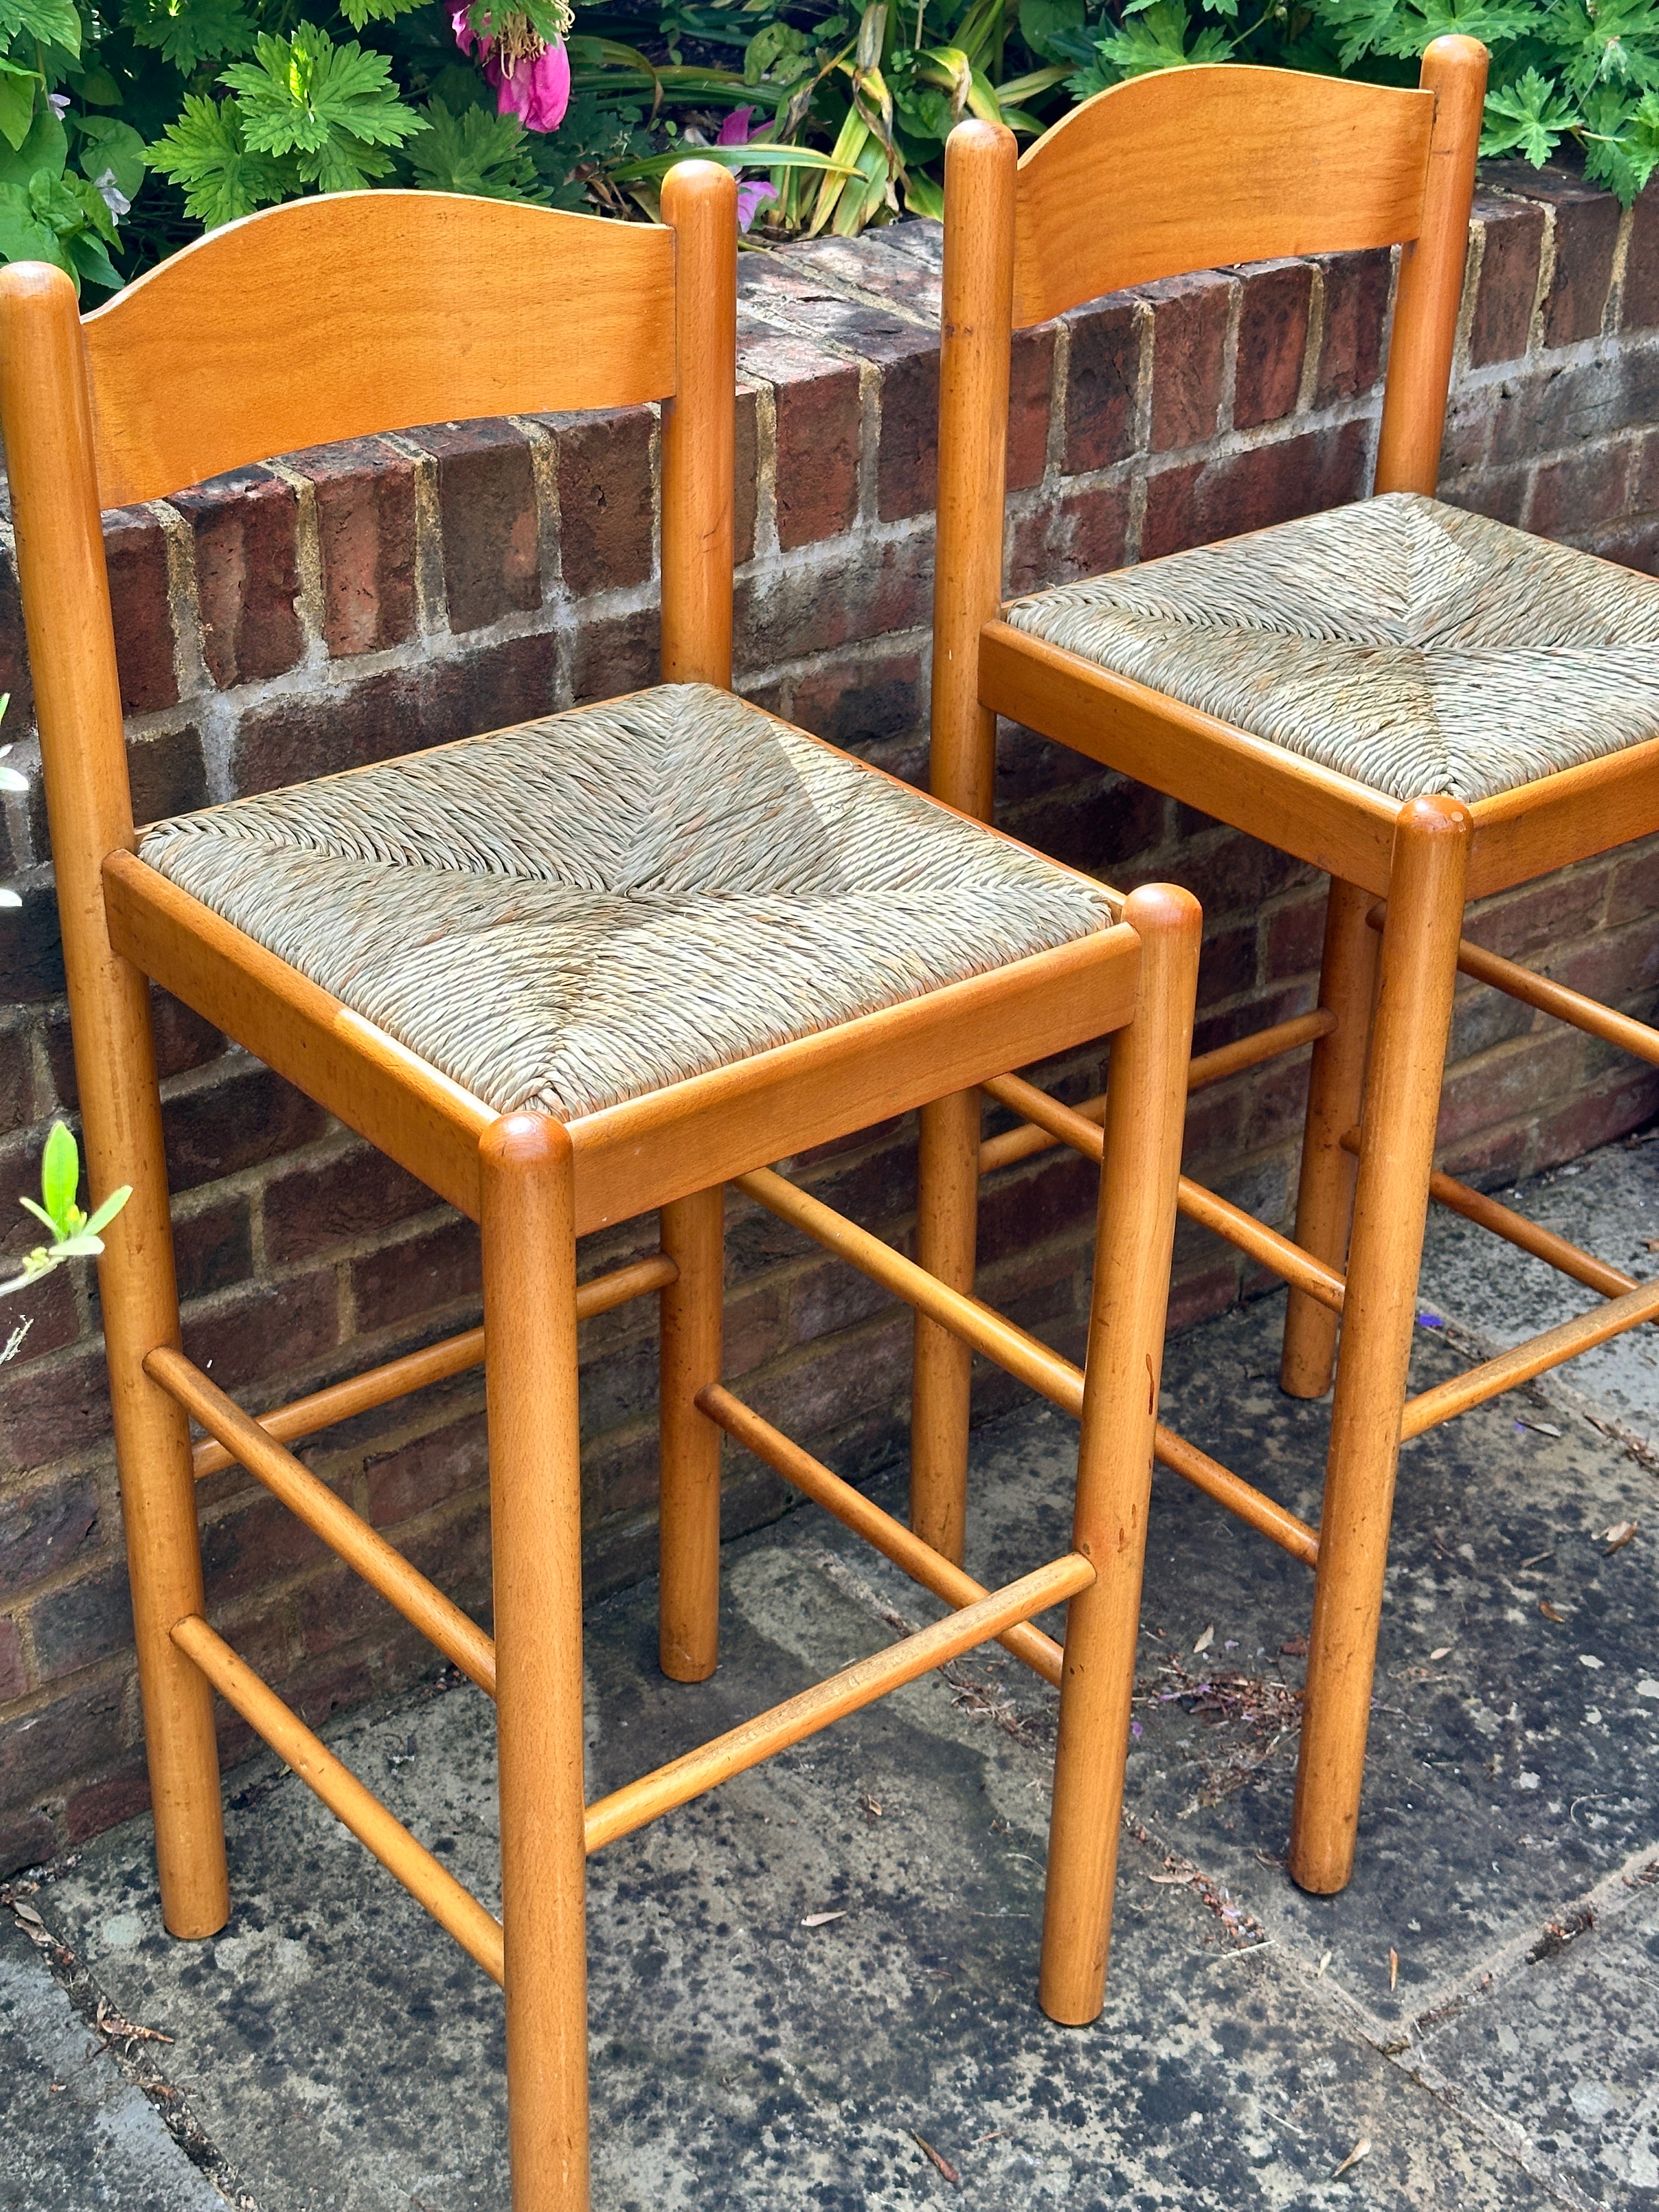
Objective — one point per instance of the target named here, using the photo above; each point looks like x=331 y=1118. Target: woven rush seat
x=574 y=911
x=1408 y=644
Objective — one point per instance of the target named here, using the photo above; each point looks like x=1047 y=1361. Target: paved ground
x=1473 y=2024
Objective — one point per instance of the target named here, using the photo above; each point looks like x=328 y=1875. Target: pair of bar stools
x=610 y=961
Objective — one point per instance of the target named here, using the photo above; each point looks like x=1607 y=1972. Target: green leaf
x=359 y=12
x=40 y=1213
x=474 y=152
x=1156 y=38
x=44 y=152
x=99 y=89
x=188 y=32
x=106 y=1213
x=89 y=258
x=204 y=152
x=114 y=149
x=18 y=87
x=1040 y=20
x=1527 y=116
x=60 y=1178
x=23 y=235
x=758 y=154
x=329 y=107
x=53 y=23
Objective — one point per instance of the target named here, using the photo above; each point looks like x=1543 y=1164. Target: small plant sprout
x=74 y=1234
x=10 y=780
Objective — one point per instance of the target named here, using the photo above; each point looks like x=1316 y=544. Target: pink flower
x=735 y=131
x=537 y=91
x=531 y=78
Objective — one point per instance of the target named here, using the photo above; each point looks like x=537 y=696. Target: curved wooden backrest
x=1196 y=168
x=330 y=317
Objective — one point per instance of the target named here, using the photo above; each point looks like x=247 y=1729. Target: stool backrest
x=1182 y=169
x=329 y=319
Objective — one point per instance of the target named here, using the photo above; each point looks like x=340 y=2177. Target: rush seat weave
x=575 y=911
x=1409 y=645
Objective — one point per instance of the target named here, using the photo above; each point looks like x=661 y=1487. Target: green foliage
x=126 y=125
x=71 y=1234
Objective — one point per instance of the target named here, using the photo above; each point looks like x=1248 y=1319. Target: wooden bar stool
x=590 y=966
x=1428 y=705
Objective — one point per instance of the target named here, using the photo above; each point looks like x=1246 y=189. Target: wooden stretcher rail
x=1589 y=1014
x=1021 y=1355
x=1287 y=1260
x=1568 y=1259
x=430 y=1884
x=363 y=1548
x=1206 y=1068
x=436 y=1363
x=855 y=1512
x=854 y=1686
x=1536 y=1356
x=1254 y=1507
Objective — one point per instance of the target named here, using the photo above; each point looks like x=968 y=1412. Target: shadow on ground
x=1472 y=2024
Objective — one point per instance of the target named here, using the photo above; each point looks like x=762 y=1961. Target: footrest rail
x=356 y=1808
x=853 y=1688
x=363 y=1549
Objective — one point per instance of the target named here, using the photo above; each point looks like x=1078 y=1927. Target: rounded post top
x=1164 y=910
x=522 y=1143
x=1436 y=817
x=694 y=183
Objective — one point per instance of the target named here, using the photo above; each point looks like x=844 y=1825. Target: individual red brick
x=851 y=701
x=1570 y=497
x=1082 y=533
x=1103 y=377
x=14 y=649
x=1189 y=338
x=214 y=1248
x=114 y=1798
x=1634 y=889
x=487 y=512
x=1272 y=336
x=135 y=554
x=45 y=1529
x=319 y=1204
x=1640 y=307
x=31 y=943
x=1099 y=828
x=1030 y=386
x=13 y=1682
x=243 y=528
x=1503 y=494
x=415 y=1275
x=1227 y=963
x=1586 y=232
x=49 y=1409
x=243 y=1336
x=1033 y=766
x=606 y=533
x=167 y=774
x=18 y=1110
x=817 y=413
x=833 y=599
x=426 y=1473
x=365 y=498
x=906 y=452
x=1058 y=1192
x=1501 y=328
x=1294 y=938
x=256 y=1543
x=1507 y=1083
x=1356 y=287
x=248 y=1115
x=1205 y=501
x=611 y=655
x=77 y=1733
x=290 y=740
x=1596 y=1117
x=83 y=1622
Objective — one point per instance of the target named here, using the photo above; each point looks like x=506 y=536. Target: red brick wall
x=346 y=605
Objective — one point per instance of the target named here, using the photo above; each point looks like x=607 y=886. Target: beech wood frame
x=1209 y=167
x=655 y=311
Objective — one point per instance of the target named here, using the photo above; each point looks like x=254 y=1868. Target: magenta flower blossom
x=531 y=78
x=735 y=131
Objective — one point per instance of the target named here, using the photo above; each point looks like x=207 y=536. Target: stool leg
x=693 y=1237
x=535 y=1502
x=121 y=1108
x=1402 y=1097
x=1324 y=1201
x=947 y=1217
x=1146 y=1097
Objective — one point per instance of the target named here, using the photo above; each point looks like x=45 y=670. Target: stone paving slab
x=75 y=2133
x=336 y=2049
